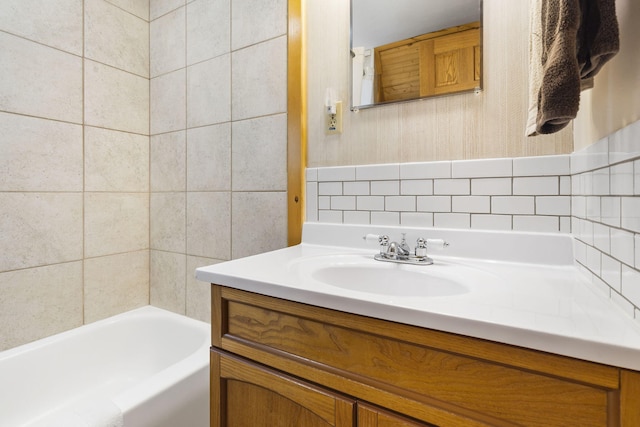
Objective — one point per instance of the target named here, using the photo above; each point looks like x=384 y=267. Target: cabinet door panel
x=250 y=395
x=370 y=416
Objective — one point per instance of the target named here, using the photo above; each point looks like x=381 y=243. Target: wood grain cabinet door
x=244 y=394
x=371 y=416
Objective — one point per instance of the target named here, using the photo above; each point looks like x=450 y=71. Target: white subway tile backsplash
x=312 y=201
x=416 y=187
x=611 y=272
x=471 y=204
x=330 y=188
x=482 y=168
x=622 y=246
x=370 y=203
x=452 y=186
x=492 y=222
x=621 y=179
x=434 y=203
x=565 y=185
x=385 y=218
x=600 y=185
x=631 y=285
x=594 y=262
x=312 y=174
x=631 y=213
x=378 y=172
x=429 y=170
x=385 y=188
x=543 y=165
x=636 y=179
x=610 y=211
x=593 y=208
x=338 y=173
x=357 y=217
x=543 y=224
x=549 y=185
x=491 y=187
x=601 y=237
x=553 y=205
x=343 y=203
x=324 y=202
x=357 y=188
x=333 y=217
x=416 y=219
x=637 y=250
x=517 y=205
x=593 y=157
x=400 y=203
x=452 y=220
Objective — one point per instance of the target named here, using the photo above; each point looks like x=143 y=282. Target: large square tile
x=115 y=99
x=39 y=228
x=209 y=158
x=208 y=92
x=259 y=153
x=115 y=161
x=39 y=81
x=259 y=85
x=39 y=155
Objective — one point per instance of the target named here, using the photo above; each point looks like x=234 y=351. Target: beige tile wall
x=218 y=140
x=74 y=164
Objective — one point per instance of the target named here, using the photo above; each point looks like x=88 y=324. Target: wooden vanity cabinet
x=280 y=363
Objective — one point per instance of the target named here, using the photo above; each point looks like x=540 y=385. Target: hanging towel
x=570 y=41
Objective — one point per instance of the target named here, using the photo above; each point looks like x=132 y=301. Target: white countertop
x=544 y=304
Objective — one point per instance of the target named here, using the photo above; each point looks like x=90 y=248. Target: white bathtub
x=144 y=368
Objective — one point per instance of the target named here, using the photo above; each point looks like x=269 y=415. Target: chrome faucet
x=401 y=252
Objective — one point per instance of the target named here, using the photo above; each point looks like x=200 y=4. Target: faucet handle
x=437 y=243
x=422 y=244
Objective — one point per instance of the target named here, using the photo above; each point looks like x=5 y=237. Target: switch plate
x=333 y=123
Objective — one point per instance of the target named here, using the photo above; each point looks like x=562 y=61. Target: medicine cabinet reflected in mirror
x=411 y=49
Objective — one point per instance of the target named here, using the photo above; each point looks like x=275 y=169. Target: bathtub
x=144 y=368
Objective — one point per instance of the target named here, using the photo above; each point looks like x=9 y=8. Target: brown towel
x=577 y=38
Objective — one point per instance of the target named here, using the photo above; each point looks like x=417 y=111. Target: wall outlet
x=333 y=123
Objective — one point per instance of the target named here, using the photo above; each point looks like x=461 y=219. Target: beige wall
x=218 y=144
x=74 y=164
x=129 y=157
x=614 y=102
x=469 y=126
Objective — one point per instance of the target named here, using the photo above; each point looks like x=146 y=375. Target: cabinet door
x=450 y=63
x=244 y=394
x=370 y=416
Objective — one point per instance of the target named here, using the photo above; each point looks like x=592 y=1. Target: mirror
x=411 y=49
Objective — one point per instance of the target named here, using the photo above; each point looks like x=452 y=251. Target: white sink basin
x=388 y=281
x=361 y=273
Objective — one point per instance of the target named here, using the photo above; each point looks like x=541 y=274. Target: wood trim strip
x=296 y=123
